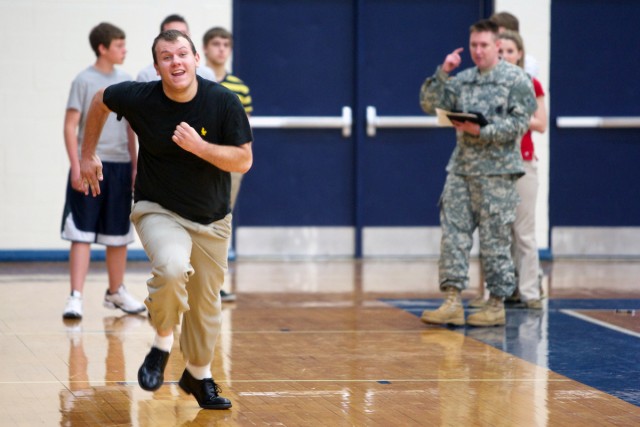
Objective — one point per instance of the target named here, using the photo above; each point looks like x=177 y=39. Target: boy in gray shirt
x=105 y=219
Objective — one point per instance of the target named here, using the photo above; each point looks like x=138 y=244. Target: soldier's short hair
x=485 y=25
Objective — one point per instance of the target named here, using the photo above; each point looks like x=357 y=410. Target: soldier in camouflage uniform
x=480 y=191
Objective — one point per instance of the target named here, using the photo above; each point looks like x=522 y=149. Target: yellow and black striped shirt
x=238 y=87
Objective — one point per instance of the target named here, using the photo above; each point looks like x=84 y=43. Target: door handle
x=343 y=122
x=374 y=121
x=597 y=122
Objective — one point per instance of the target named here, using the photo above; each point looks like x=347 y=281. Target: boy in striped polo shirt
x=217 y=44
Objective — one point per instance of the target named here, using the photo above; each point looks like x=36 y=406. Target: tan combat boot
x=477 y=302
x=450 y=312
x=492 y=314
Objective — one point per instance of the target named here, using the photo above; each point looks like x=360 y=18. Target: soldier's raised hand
x=452 y=61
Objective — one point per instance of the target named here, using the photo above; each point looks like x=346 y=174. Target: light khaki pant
x=188 y=264
x=525 y=247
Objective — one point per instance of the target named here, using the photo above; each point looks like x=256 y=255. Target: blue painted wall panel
x=594 y=173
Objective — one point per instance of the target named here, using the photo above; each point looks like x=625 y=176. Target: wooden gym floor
x=331 y=343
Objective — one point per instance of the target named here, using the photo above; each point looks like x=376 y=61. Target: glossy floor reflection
x=593 y=341
x=332 y=342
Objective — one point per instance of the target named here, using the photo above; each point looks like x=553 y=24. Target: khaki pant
x=525 y=247
x=188 y=264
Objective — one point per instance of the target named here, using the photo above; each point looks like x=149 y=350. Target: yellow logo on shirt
x=203 y=131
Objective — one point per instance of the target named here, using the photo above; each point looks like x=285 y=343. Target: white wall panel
x=47 y=46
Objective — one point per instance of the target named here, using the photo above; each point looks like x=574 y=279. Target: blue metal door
x=595 y=115
x=312 y=59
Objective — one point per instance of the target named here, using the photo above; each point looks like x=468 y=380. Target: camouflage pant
x=489 y=204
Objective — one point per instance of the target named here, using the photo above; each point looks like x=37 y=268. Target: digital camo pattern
x=504 y=96
x=488 y=203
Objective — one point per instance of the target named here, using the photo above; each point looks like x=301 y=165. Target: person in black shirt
x=192 y=133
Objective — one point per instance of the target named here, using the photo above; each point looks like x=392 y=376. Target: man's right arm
x=433 y=93
x=90 y=164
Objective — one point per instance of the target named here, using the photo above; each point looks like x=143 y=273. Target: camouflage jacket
x=504 y=96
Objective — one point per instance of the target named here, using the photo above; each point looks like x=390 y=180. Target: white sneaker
x=73 y=307
x=124 y=301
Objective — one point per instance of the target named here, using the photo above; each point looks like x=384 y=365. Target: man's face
x=217 y=50
x=484 y=47
x=116 y=52
x=176 y=63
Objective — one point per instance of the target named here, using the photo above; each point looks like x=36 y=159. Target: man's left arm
x=230 y=158
x=520 y=106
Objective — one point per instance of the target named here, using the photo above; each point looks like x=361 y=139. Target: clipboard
x=445 y=117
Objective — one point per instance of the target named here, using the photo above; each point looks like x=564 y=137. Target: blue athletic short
x=103 y=219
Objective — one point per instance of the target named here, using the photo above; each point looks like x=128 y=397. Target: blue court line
x=55 y=255
x=590 y=353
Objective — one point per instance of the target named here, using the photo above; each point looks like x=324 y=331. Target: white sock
x=76 y=294
x=163 y=343
x=199 y=372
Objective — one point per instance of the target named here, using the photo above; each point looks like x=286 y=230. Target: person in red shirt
x=525 y=248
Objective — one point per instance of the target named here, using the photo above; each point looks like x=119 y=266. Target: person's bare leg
x=79 y=258
x=116 y=266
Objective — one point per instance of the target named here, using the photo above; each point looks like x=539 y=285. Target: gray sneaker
x=124 y=301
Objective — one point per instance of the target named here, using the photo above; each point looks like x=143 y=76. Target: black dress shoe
x=205 y=391
x=151 y=373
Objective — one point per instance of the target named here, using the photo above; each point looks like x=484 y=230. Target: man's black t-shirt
x=167 y=174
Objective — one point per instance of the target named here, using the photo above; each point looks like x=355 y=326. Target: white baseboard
x=312 y=242
x=595 y=242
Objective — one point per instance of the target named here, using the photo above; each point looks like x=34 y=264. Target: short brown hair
x=103 y=34
x=172 y=18
x=170 y=36
x=484 y=25
x=214 y=32
x=506 y=20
